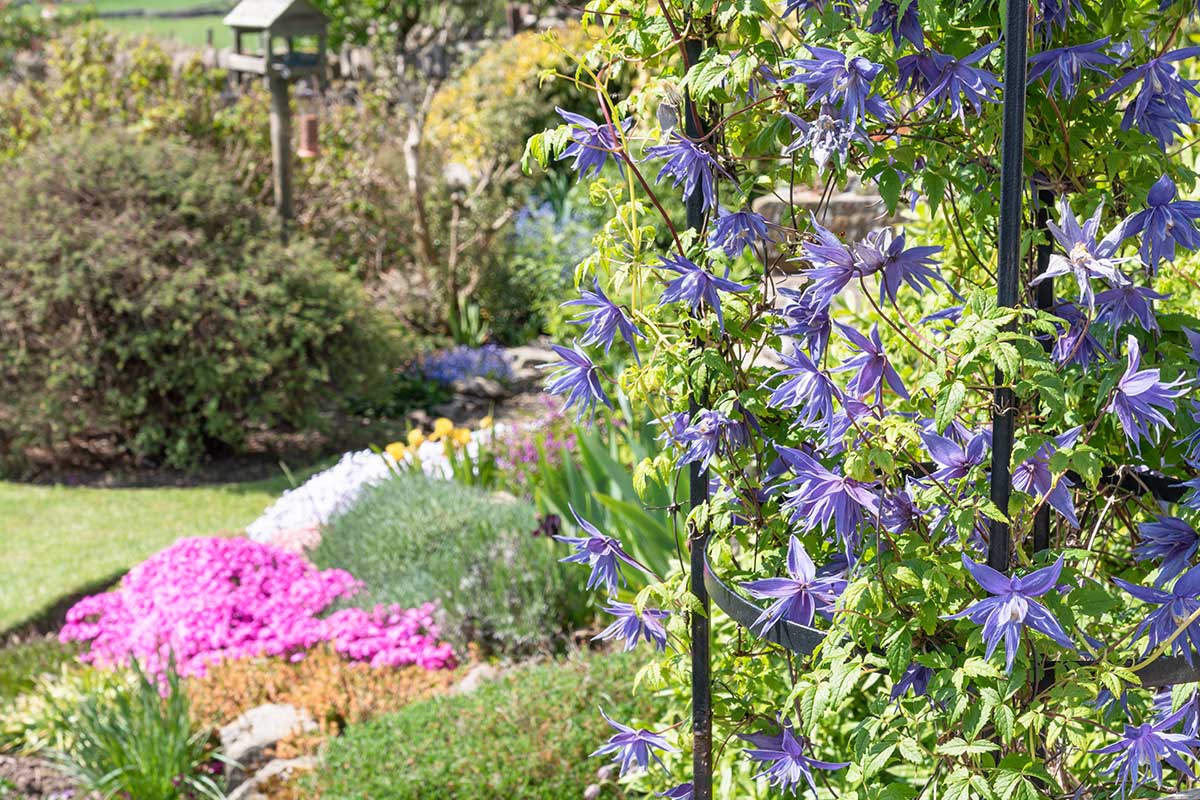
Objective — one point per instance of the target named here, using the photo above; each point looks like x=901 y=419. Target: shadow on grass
x=51 y=616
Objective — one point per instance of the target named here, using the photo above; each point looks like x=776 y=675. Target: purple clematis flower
x=883 y=252
x=906 y=25
x=870 y=364
x=1054 y=14
x=1012 y=607
x=840 y=80
x=1086 y=257
x=631 y=626
x=952 y=80
x=897 y=511
x=916 y=72
x=808 y=320
x=819 y=496
x=1145 y=747
x=1065 y=65
x=689 y=164
x=1176 y=607
x=1192 y=499
x=915 y=679
x=797 y=597
x=734 y=231
x=1162 y=98
x=711 y=434
x=807 y=388
x=1033 y=477
x=954 y=460
x=605 y=321
x=603 y=553
x=633 y=747
x=1165 y=223
x=1170 y=539
x=1126 y=304
x=1191 y=718
x=1139 y=396
x=825 y=137
x=696 y=287
x=785 y=764
x=832 y=265
x=683 y=791
x=1075 y=343
x=843 y=7
x=578 y=378
x=591 y=143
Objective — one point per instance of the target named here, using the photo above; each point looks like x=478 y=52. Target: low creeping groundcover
x=204 y=600
x=848 y=473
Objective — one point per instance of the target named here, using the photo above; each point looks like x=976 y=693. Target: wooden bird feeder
x=285 y=31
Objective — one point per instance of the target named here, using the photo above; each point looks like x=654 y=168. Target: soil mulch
x=27 y=778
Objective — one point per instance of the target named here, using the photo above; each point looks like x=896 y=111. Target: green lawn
x=59 y=541
x=191 y=30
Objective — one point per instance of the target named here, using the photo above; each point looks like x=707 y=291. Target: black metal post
x=698 y=539
x=1012 y=186
x=1045 y=301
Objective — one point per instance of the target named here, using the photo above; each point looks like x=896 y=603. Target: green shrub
x=139 y=742
x=527 y=735
x=412 y=540
x=143 y=299
x=44 y=718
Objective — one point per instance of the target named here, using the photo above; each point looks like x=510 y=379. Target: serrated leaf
x=950 y=402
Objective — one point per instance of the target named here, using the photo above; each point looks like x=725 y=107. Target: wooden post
x=281 y=151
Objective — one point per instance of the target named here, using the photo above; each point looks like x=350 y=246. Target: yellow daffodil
x=486 y=423
x=461 y=436
x=441 y=429
x=415 y=438
x=396 y=450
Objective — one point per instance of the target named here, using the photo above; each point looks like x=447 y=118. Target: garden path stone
x=246 y=738
x=282 y=769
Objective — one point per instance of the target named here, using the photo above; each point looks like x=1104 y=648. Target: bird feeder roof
x=284 y=17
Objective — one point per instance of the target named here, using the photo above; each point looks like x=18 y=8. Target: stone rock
x=851 y=214
x=479 y=386
x=476 y=676
x=527 y=361
x=246 y=739
x=279 y=769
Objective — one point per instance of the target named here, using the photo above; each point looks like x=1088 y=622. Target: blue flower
x=883 y=252
x=842 y=81
x=952 y=80
x=902 y=26
x=870 y=364
x=1165 y=223
x=1033 y=477
x=807 y=319
x=831 y=265
x=1162 y=101
x=843 y=7
x=689 y=164
x=784 y=759
x=897 y=511
x=696 y=287
x=1140 y=394
x=1126 y=304
x=458 y=363
x=1191 y=718
x=1176 y=607
x=915 y=679
x=797 y=597
x=825 y=137
x=578 y=378
x=1012 y=606
x=1054 y=14
x=630 y=626
x=605 y=321
x=603 y=553
x=591 y=143
x=1146 y=747
x=807 y=388
x=712 y=433
x=954 y=460
x=1065 y=65
x=1170 y=539
x=817 y=497
x=633 y=747
x=1192 y=499
x=683 y=791
x=734 y=231
x=1086 y=257
x=1075 y=343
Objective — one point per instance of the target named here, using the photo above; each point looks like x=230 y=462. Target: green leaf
x=950 y=402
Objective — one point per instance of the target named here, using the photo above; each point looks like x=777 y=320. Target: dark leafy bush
x=527 y=735
x=143 y=299
x=412 y=539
